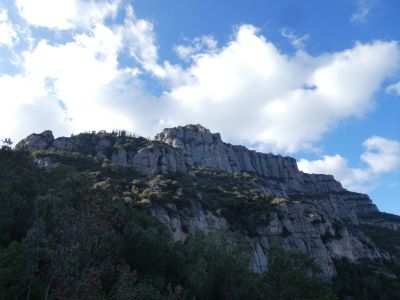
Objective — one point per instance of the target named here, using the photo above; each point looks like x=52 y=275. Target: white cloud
x=199 y=46
x=394 y=88
x=351 y=178
x=381 y=156
x=139 y=37
x=8 y=35
x=298 y=42
x=253 y=93
x=70 y=87
x=248 y=89
x=65 y=14
x=363 y=8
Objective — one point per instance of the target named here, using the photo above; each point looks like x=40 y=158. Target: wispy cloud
x=198 y=46
x=8 y=35
x=363 y=9
x=298 y=42
x=394 y=88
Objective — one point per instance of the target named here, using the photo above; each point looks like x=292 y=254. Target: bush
x=216 y=267
x=293 y=275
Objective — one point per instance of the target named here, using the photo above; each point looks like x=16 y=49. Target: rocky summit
x=312 y=213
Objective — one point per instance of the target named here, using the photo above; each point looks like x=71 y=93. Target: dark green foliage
x=293 y=275
x=237 y=196
x=216 y=267
x=365 y=281
x=20 y=183
x=13 y=273
x=147 y=248
x=7 y=143
x=81 y=163
x=83 y=230
x=65 y=236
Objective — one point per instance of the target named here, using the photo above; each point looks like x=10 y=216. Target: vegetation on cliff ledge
x=83 y=231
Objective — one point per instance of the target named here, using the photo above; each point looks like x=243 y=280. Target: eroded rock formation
x=314 y=213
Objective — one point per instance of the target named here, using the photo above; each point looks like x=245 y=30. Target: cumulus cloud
x=247 y=89
x=65 y=14
x=8 y=35
x=380 y=156
x=69 y=87
x=351 y=178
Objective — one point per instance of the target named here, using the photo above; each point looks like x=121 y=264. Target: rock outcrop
x=178 y=149
x=36 y=141
x=148 y=157
x=321 y=226
x=314 y=213
x=201 y=147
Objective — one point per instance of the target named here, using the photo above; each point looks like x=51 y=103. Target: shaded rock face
x=319 y=220
x=178 y=149
x=37 y=141
x=317 y=226
x=148 y=157
x=201 y=147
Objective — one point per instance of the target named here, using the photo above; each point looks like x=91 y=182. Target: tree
x=7 y=143
x=216 y=267
x=293 y=275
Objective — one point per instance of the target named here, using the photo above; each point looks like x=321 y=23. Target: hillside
x=110 y=215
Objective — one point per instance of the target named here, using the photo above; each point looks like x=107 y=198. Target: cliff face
x=178 y=149
x=312 y=212
x=201 y=147
x=148 y=157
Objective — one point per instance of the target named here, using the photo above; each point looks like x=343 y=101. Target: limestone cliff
x=149 y=157
x=311 y=212
x=201 y=147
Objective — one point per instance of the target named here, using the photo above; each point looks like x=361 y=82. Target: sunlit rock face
x=313 y=212
x=148 y=157
x=201 y=147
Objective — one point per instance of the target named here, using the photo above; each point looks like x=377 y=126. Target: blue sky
x=316 y=80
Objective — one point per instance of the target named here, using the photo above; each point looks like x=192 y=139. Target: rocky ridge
x=313 y=212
